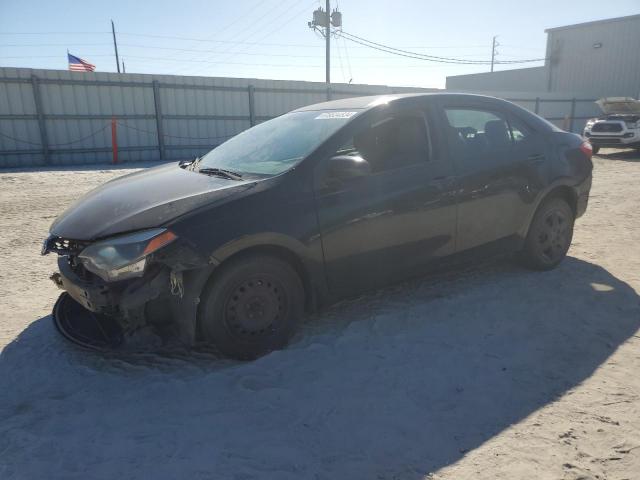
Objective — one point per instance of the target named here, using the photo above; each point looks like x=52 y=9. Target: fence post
x=37 y=99
x=158 y=107
x=114 y=141
x=573 y=114
x=329 y=92
x=252 y=106
x=537 y=107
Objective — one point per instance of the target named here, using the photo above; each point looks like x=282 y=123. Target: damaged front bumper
x=110 y=298
x=102 y=315
x=93 y=312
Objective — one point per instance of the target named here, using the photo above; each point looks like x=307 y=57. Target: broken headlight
x=124 y=256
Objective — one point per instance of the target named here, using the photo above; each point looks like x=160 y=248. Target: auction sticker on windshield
x=335 y=115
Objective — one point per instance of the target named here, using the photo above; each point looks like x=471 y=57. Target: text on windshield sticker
x=334 y=115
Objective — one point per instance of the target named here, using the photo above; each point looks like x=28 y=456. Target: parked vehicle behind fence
x=618 y=127
x=319 y=204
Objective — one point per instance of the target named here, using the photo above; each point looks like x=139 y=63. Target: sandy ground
x=487 y=372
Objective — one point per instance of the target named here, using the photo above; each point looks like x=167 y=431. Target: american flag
x=76 y=64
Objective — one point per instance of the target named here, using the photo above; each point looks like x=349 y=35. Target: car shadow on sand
x=395 y=384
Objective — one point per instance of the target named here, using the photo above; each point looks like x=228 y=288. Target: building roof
x=595 y=22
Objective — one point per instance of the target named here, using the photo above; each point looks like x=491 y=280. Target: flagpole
x=115 y=45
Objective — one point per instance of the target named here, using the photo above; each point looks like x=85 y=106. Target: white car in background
x=619 y=127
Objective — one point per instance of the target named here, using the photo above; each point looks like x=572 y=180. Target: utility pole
x=327 y=35
x=322 y=22
x=493 y=51
x=115 y=45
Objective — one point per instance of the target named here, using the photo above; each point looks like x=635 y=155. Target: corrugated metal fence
x=56 y=117
x=570 y=114
x=53 y=117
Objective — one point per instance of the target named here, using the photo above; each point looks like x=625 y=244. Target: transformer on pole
x=322 y=22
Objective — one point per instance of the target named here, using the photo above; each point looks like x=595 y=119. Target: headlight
x=124 y=256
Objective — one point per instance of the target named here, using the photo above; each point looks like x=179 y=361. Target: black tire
x=251 y=306
x=549 y=236
x=595 y=149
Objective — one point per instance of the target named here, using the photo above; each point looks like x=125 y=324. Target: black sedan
x=324 y=202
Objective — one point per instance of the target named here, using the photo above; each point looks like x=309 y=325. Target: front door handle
x=536 y=158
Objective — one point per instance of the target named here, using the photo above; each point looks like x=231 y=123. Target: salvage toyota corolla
x=321 y=203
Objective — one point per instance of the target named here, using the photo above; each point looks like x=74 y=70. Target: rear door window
x=475 y=131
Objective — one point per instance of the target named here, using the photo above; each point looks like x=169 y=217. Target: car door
x=388 y=224
x=498 y=163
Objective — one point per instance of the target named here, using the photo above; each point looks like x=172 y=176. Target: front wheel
x=595 y=149
x=549 y=236
x=251 y=306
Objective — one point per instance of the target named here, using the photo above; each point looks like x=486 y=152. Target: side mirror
x=348 y=166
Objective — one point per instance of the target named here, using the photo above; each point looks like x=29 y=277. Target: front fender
x=308 y=259
x=273 y=239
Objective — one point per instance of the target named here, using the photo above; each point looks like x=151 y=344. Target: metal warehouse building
x=598 y=59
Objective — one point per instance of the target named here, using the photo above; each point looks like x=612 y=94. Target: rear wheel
x=549 y=236
x=251 y=307
x=595 y=149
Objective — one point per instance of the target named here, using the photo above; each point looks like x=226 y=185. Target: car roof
x=371 y=101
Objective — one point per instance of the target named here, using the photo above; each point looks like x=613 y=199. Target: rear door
x=387 y=225
x=500 y=165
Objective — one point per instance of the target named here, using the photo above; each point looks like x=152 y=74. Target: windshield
x=277 y=145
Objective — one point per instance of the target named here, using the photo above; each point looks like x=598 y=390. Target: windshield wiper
x=220 y=172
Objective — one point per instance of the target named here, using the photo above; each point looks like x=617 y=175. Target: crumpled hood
x=145 y=199
x=611 y=105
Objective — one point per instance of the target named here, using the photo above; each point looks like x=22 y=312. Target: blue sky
x=270 y=38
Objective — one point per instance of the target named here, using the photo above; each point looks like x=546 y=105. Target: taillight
x=587 y=149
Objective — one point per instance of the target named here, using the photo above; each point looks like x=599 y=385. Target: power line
x=54 y=33
x=217 y=62
x=196 y=39
x=58 y=56
x=420 y=56
x=413 y=56
x=371 y=43
x=346 y=51
x=270 y=12
x=198 y=50
x=240 y=17
x=279 y=27
x=172 y=37
x=53 y=44
x=340 y=60
x=252 y=54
